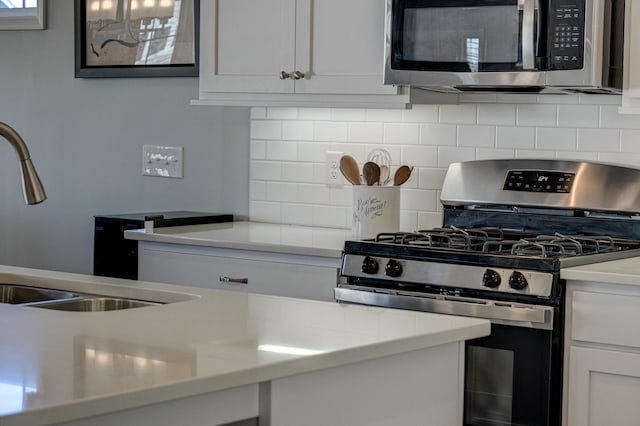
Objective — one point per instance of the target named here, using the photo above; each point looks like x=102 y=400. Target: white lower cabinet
x=604 y=388
x=602 y=358
x=276 y=274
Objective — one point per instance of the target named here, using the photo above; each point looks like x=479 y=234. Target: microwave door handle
x=528 y=8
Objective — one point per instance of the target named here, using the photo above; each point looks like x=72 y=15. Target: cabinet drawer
x=605 y=318
x=273 y=277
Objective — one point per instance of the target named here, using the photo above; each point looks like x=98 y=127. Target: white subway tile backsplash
x=478 y=136
x=384 y=115
x=578 y=115
x=310 y=152
x=439 y=134
x=264 y=129
x=313 y=194
x=330 y=216
x=606 y=140
x=600 y=99
x=297 y=130
x=516 y=137
x=316 y=114
x=258 y=150
x=348 y=114
x=282 y=151
x=497 y=114
x=288 y=148
x=402 y=133
x=257 y=190
x=428 y=220
x=537 y=115
x=538 y=153
x=630 y=140
x=282 y=113
x=421 y=114
x=450 y=154
x=297 y=214
x=430 y=178
x=297 y=172
x=282 y=192
x=577 y=156
x=420 y=156
x=557 y=99
x=331 y=131
x=262 y=211
x=627 y=159
x=491 y=153
x=558 y=139
x=366 y=132
x=458 y=114
x=417 y=199
x=611 y=118
x=265 y=170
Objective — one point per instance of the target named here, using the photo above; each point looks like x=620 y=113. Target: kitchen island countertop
x=58 y=366
x=258 y=236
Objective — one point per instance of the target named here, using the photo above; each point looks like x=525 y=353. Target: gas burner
x=505 y=242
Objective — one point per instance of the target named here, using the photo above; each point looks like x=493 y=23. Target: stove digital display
x=539 y=181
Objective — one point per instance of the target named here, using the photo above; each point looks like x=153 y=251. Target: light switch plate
x=165 y=161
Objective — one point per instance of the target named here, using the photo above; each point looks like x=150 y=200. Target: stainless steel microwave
x=505 y=45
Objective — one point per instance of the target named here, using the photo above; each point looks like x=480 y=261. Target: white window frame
x=31 y=18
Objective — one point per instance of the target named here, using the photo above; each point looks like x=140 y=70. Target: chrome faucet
x=31 y=185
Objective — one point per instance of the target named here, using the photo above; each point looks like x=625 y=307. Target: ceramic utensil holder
x=376 y=209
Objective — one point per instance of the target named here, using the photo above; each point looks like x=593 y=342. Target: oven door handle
x=531 y=316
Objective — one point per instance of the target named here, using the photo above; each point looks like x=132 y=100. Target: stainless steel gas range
x=509 y=227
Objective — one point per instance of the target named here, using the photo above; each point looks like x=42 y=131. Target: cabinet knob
x=284 y=75
x=297 y=75
x=226 y=279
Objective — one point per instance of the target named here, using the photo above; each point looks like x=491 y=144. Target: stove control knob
x=393 y=269
x=517 y=281
x=370 y=265
x=491 y=278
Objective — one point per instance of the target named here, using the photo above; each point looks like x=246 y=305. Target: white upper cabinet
x=631 y=92
x=293 y=52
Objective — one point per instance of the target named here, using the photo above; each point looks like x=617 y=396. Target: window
x=22 y=14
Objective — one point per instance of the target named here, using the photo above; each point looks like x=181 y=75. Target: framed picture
x=136 y=38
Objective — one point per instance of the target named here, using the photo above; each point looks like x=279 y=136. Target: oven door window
x=458 y=36
x=507 y=378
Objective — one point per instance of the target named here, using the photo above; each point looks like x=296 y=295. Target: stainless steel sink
x=94 y=304
x=16 y=294
x=38 y=297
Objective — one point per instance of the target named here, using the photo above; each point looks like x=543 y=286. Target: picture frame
x=136 y=38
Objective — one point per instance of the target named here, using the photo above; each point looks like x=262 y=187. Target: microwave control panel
x=566 y=34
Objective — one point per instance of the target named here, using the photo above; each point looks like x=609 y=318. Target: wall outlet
x=334 y=176
x=165 y=161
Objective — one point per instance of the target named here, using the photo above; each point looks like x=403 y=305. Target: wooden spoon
x=350 y=170
x=402 y=175
x=371 y=173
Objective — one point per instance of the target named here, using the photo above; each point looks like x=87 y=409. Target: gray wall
x=86 y=137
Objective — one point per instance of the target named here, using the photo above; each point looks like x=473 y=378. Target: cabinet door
x=340 y=47
x=245 y=44
x=604 y=388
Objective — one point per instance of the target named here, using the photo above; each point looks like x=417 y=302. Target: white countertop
x=270 y=237
x=56 y=366
x=623 y=271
